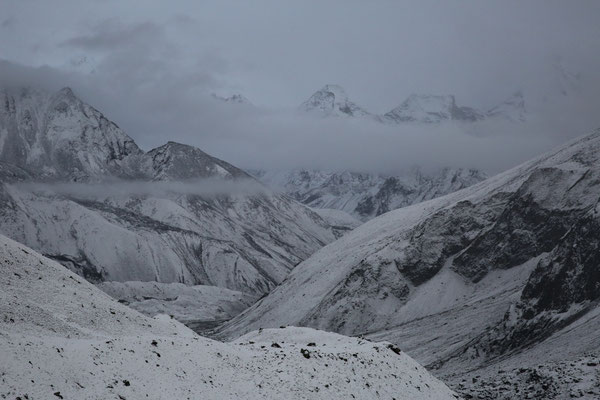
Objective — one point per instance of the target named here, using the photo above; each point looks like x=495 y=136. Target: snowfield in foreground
x=62 y=338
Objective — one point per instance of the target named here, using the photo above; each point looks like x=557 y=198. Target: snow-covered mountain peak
x=333 y=100
x=177 y=161
x=57 y=135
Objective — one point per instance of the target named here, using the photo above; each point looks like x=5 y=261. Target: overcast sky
x=151 y=66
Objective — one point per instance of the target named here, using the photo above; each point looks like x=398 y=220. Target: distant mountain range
x=332 y=100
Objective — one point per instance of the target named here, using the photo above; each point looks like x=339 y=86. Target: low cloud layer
x=153 y=71
x=206 y=188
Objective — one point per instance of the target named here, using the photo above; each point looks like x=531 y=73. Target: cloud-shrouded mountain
x=367 y=195
x=62 y=338
x=429 y=108
x=499 y=276
x=233 y=99
x=332 y=100
x=76 y=188
x=513 y=108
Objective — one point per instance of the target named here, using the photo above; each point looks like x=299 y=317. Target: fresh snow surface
x=62 y=338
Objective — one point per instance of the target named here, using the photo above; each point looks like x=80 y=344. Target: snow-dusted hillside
x=367 y=195
x=62 y=338
x=462 y=281
x=172 y=215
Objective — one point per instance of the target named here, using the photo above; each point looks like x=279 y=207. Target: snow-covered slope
x=464 y=280
x=332 y=100
x=187 y=217
x=430 y=109
x=367 y=195
x=62 y=338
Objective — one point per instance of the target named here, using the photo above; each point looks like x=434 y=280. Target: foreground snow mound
x=62 y=338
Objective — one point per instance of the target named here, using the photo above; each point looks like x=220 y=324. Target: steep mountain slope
x=62 y=338
x=367 y=195
x=465 y=280
x=332 y=100
x=186 y=218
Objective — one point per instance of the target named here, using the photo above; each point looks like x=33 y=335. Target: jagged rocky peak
x=333 y=100
x=56 y=135
x=432 y=108
x=176 y=161
x=513 y=108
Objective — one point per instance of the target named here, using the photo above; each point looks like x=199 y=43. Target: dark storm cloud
x=155 y=67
